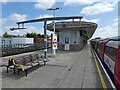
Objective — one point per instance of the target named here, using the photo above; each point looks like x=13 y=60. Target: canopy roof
x=87 y=27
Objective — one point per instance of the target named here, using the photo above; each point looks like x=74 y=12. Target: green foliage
x=6 y=35
x=35 y=35
x=28 y=35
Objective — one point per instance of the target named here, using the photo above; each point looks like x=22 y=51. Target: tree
x=5 y=34
x=35 y=35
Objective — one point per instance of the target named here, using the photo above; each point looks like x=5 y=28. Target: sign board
x=54 y=41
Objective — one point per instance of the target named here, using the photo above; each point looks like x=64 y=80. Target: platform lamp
x=18 y=28
x=54 y=9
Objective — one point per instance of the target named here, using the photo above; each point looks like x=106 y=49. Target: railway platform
x=65 y=70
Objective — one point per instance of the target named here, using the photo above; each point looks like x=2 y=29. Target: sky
x=102 y=12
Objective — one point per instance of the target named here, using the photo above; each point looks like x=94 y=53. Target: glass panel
x=111 y=52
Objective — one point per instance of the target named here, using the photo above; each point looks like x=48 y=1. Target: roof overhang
x=87 y=27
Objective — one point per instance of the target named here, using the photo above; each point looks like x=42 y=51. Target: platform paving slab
x=65 y=70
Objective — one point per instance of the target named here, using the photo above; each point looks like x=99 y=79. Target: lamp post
x=54 y=9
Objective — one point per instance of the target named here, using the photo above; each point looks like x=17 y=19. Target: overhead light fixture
x=12 y=29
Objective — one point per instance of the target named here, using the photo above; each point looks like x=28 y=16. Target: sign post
x=54 y=43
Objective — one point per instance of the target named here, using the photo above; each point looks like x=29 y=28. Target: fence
x=20 y=48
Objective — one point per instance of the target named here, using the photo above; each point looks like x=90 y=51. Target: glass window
x=111 y=52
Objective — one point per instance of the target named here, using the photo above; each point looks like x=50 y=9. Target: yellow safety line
x=100 y=74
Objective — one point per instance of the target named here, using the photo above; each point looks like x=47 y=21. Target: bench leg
x=7 y=68
x=14 y=69
x=45 y=63
x=18 y=72
x=26 y=72
x=38 y=63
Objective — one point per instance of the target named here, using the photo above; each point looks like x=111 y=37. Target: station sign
x=54 y=41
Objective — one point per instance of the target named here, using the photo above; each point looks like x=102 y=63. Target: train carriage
x=108 y=51
x=110 y=55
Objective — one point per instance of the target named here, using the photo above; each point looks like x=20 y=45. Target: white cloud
x=115 y=20
x=80 y=2
x=3 y=20
x=44 y=4
x=87 y=20
x=4 y=1
x=107 y=31
x=87 y=2
x=17 y=17
x=99 y=8
x=48 y=22
x=29 y=29
x=6 y=29
x=13 y=17
x=46 y=16
x=92 y=20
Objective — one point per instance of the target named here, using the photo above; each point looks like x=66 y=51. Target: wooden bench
x=23 y=63
x=10 y=65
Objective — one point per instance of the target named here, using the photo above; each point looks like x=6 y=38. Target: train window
x=111 y=52
x=107 y=50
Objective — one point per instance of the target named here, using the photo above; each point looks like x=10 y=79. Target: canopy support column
x=45 y=42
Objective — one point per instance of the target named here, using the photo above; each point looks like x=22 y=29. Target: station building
x=73 y=35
